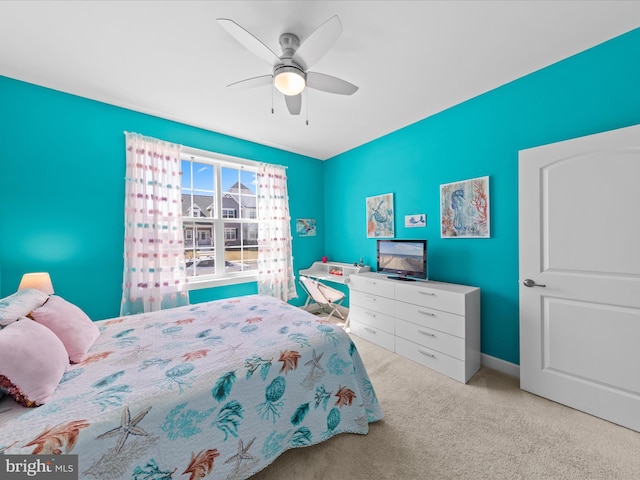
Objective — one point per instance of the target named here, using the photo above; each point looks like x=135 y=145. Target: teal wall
x=62 y=167
x=594 y=91
x=62 y=188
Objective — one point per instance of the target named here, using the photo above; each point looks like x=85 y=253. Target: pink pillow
x=32 y=362
x=76 y=330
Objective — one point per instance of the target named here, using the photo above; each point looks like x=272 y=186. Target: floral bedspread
x=212 y=390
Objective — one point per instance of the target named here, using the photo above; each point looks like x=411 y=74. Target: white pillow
x=20 y=304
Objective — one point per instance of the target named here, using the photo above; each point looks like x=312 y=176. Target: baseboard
x=500 y=365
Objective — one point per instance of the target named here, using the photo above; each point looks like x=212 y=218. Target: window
x=219 y=218
x=230 y=233
x=229 y=213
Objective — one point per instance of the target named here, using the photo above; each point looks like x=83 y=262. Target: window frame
x=219 y=161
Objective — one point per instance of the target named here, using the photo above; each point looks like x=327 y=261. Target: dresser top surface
x=451 y=287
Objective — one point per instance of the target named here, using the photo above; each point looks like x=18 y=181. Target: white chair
x=326 y=297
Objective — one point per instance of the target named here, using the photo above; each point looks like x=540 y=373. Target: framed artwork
x=415 y=220
x=380 y=218
x=306 y=227
x=464 y=209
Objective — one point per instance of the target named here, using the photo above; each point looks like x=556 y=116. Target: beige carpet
x=437 y=428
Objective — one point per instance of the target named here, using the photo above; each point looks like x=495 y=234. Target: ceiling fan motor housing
x=289 y=44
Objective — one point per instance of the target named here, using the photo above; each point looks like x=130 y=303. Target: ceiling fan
x=289 y=70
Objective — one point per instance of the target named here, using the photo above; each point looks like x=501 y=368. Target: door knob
x=530 y=283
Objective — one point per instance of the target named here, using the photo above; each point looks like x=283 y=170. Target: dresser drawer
x=432 y=297
x=373 y=335
x=371 y=302
x=432 y=339
x=371 y=318
x=430 y=318
x=452 y=367
x=374 y=286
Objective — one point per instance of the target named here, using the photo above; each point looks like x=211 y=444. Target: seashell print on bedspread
x=211 y=390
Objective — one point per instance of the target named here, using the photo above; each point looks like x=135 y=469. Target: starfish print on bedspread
x=135 y=354
x=232 y=349
x=316 y=372
x=315 y=361
x=127 y=427
x=242 y=454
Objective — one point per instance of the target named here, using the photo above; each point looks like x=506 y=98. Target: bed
x=211 y=390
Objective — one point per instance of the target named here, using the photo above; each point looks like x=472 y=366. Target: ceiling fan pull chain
x=306 y=103
x=272 y=111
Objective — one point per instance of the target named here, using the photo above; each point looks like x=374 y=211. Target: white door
x=579 y=230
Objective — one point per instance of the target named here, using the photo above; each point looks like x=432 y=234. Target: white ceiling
x=411 y=59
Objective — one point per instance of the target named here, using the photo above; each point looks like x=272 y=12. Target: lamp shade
x=39 y=280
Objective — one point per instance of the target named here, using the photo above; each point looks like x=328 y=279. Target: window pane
x=204 y=204
x=252 y=234
x=186 y=175
x=241 y=259
x=241 y=247
x=198 y=189
x=248 y=195
x=248 y=179
x=203 y=177
x=189 y=238
x=239 y=192
x=230 y=179
x=199 y=248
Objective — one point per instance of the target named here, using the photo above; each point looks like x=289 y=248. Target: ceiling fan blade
x=250 y=42
x=294 y=103
x=318 y=43
x=327 y=83
x=252 y=82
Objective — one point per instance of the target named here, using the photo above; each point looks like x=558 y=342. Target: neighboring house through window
x=219 y=218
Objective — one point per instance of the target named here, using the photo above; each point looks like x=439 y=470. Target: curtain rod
x=219 y=156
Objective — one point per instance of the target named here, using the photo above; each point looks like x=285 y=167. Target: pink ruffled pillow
x=32 y=362
x=76 y=330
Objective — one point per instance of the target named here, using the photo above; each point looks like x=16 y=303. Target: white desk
x=333 y=271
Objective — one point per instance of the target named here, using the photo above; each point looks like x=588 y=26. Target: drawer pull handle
x=428 y=334
x=427 y=353
x=373 y=299
x=427 y=313
x=370 y=330
x=373 y=315
x=427 y=293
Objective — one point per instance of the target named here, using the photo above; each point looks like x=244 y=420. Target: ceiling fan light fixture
x=289 y=80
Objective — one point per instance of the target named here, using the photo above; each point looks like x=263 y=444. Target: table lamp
x=39 y=280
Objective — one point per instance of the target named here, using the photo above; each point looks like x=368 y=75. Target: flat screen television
x=403 y=259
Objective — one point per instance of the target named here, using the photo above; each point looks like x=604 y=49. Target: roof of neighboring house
x=238 y=192
x=242 y=195
x=203 y=202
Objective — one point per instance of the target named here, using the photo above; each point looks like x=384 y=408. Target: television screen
x=403 y=259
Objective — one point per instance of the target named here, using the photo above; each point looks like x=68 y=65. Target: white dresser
x=433 y=323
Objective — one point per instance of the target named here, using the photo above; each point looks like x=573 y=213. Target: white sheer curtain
x=275 y=259
x=154 y=268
